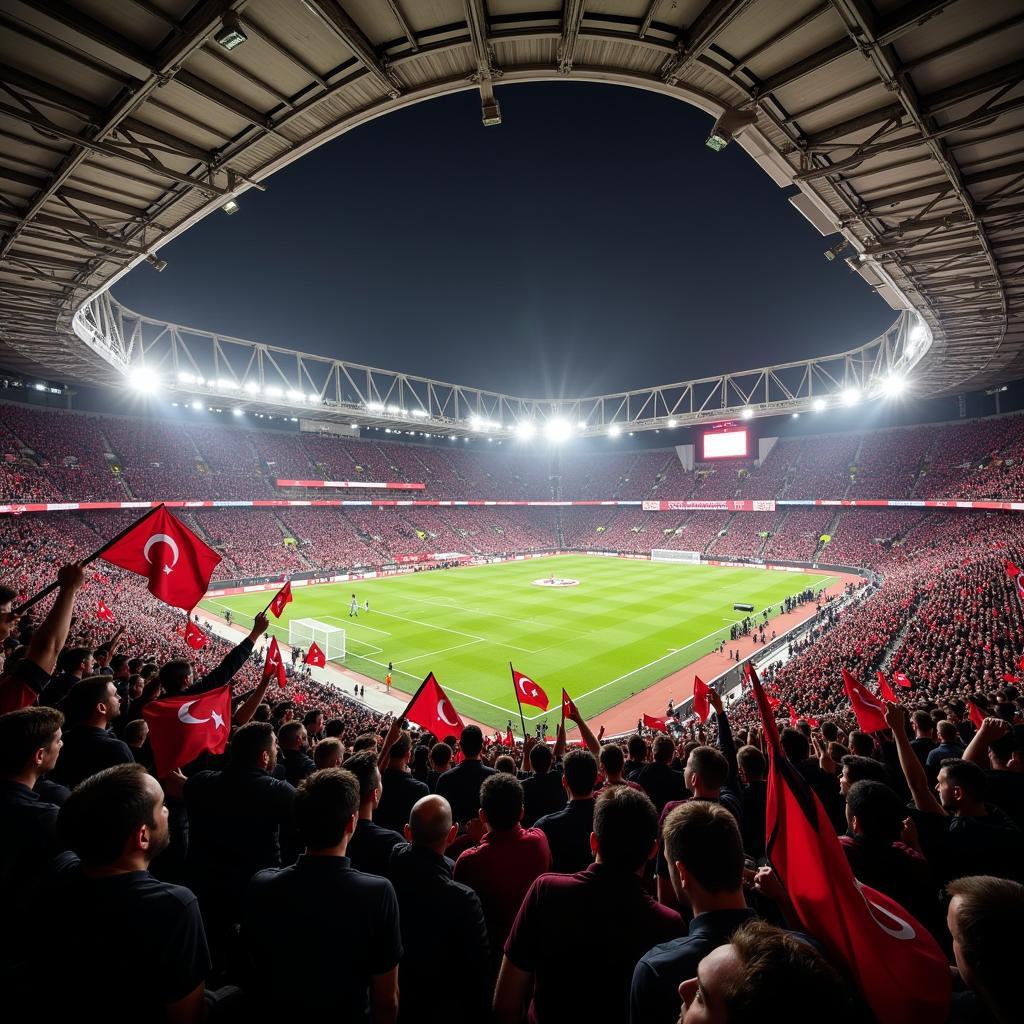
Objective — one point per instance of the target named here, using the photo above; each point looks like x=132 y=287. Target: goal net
x=330 y=639
x=668 y=555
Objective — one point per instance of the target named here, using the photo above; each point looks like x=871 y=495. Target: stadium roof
x=897 y=128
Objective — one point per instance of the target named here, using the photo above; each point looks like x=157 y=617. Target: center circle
x=556 y=581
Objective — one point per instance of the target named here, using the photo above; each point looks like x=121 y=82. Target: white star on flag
x=218 y=719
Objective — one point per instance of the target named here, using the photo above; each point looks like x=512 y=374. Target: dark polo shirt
x=370 y=847
x=86 y=751
x=460 y=786
x=568 y=832
x=399 y=791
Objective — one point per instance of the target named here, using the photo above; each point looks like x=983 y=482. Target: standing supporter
x=613 y=762
x=440 y=762
x=313 y=720
x=568 y=830
x=543 y=792
x=924 y=734
x=328 y=753
x=295 y=763
x=539 y=957
x=371 y=845
x=460 y=785
x=400 y=789
x=444 y=934
x=345 y=964
x=753 y=766
x=660 y=781
x=949 y=746
x=73 y=665
x=998 y=749
x=637 y=760
x=89 y=745
x=507 y=859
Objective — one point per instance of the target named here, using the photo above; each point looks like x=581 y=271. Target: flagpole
x=518 y=701
x=51 y=587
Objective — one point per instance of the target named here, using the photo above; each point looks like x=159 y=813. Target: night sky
x=591 y=243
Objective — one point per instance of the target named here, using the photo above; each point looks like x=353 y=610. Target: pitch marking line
x=456 y=607
x=352 y=624
x=458 y=632
x=432 y=654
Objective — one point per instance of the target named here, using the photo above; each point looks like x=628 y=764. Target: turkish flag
x=508 y=740
x=314 y=656
x=865 y=705
x=194 y=636
x=176 y=562
x=812 y=722
x=281 y=598
x=432 y=710
x=976 y=715
x=655 y=723
x=1018 y=578
x=181 y=728
x=103 y=613
x=899 y=968
x=793 y=716
x=528 y=691
x=274 y=664
x=701 y=705
x=568 y=708
x=885 y=690
x=901 y=679
x=1009 y=677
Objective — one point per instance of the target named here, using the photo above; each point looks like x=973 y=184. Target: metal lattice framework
x=234 y=372
x=897 y=127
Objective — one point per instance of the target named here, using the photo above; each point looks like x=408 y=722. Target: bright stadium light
x=747 y=413
x=295 y=396
x=420 y=413
x=272 y=391
x=186 y=378
x=614 y=430
x=224 y=384
x=849 y=397
x=893 y=385
x=796 y=415
x=673 y=423
x=819 y=405
x=526 y=430
x=557 y=430
x=252 y=388
x=144 y=380
x=237 y=412
x=197 y=405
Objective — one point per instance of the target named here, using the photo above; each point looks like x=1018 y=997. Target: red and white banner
x=368 y=485
x=713 y=506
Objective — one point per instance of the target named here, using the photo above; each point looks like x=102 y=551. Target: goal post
x=670 y=555
x=330 y=639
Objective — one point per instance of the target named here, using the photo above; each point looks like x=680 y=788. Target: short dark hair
x=402 y=746
x=859 y=768
x=174 y=674
x=471 y=740
x=829 y=731
x=779 y=970
x=334 y=727
x=637 y=747
x=118 y=662
x=311 y=716
x=440 y=754
x=710 y=766
x=612 y=759
x=290 y=732
x=752 y=761
x=626 y=826
x=22 y=733
x=324 y=803
x=252 y=740
x=704 y=837
x=71 y=657
x=365 y=741
x=83 y=697
x=364 y=767
x=878 y=809
x=327 y=749
x=505 y=764
x=541 y=758
x=794 y=744
x=501 y=799
x=663 y=748
x=924 y=722
x=861 y=743
x=135 y=731
x=1005 y=746
x=102 y=813
x=965 y=774
x=7 y=595
x=580 y=768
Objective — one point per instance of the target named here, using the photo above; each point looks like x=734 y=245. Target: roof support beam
x=486 y=72
x=572 y=18
x=396 y=10
x=337 y=19
x=700 y=34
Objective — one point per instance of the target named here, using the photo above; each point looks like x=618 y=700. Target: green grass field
x=627 y=625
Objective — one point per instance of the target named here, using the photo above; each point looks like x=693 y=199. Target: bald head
x=430 y=822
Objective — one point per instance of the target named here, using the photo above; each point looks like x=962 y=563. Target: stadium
x=498 y=655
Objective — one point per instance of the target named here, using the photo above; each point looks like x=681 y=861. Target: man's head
x=335 y=727
x=706 y=771
x=505 y=764
x=135 y=733
x=857 y=769
x=328 y=753
x=175 y=676
x=471 y=741
x=440 y=757
x=924 y=727
x=401 y=750
x=703 y=845
x=762 y=974
x=961 y=786
x=366 y=741
x=541 y=758
x=76 y=660
x=326 y=809
x=1007 y=752
x=292 y=736
x=501 y=802
x=625 y=832
x=637 y=747
x=254 y=746
x=612 y=761
x=985 y=918
x=752 y=764
x=794 y=744
x=663 y=749
x=875 y=812
x=115 y=818
x=579 y=773
x=364 y=767
x=862 y=743
x=947 y=732
x=93 y=701
x=30 y=740
x=314 y=722
x=430 y=823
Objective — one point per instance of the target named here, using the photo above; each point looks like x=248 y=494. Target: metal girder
x=396 y=10
x=572 y=19
x=337 y=19
x=700 y=35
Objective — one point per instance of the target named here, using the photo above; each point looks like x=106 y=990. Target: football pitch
x=620 y=627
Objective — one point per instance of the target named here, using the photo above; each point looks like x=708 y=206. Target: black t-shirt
x=86 y=751
x=753 y=801
x=923 y=746
x=568 y=833
x=124 y=946
x=326 y=970
x=960 y=846
x=661 y=783
x=460 y=786
x=1005 y=789
x=542 y=794
x=58 y=688
x=297 y=764
x=399 y=791
x=370 y=847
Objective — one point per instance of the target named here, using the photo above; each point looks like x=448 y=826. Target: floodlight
x=197 y=405
x=819 y=404
x=186 y=378
x=526 y=430
x=252 y=388
x=747 y=413
x=849 y=396
x=231 y=35
x=893 y=385
x=375 y=406
x=141 y=378
x=420 y=413
x=614 y=430
x=727 y=125
x=796 y=415
x=295 y=396
x=156 y=263
x=831 y=254
x=918 y=334
x=475 y=421
x=237 y=412
x=557 y=430
x=673 y=423
x=223 y=384
x=230 y=207
x=272 y=391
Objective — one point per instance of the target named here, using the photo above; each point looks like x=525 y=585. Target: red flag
x=899 y=968
x=194 y=636
x=314 y=656
x=793 y=717
x=281 y=598
x=976 y=715
x=176 y=562
x=432 y=710
x=568 y=708
x=181 y=728
x=655 y=723
x=812 y=722
x=274 y=664
x=901 y=679
x=865 y=705
x=701 y=705
x=508 y=740
x=1009 y=677
x=104 y=613
x=528 y=691
x=885 y=690
x=1020 y=663
x=1017 y=576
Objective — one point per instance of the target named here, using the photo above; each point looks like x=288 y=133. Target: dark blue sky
x=590 y=243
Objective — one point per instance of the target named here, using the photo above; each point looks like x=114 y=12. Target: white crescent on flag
x=169 y=541
x=440 y=712
x=522 y=687
x=186 y=717
x=903 y=930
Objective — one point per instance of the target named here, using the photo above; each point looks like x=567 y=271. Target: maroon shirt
x=613 y=922
x=501 y=870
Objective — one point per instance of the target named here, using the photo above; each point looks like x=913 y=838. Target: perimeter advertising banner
x=713 y=506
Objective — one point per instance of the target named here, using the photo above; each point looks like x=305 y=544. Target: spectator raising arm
x=234 y=660
x=49 y=638
x=589 y=739
x=914 y=772
x=991 y=730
